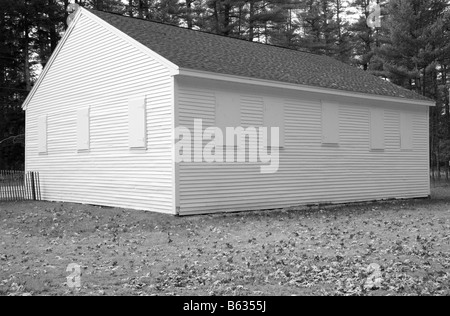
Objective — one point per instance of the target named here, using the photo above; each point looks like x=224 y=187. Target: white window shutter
x=137 y=121
x=42 y=134
x=274 y=117
x=330 y=123
x=377 y=129
x=228 y=111
x=83 y=136
x=406 y=131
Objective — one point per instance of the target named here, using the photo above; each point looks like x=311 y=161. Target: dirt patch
x=283 y=252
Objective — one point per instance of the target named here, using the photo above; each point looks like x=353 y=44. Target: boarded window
x=83 y=129
x=137 y=132
x=330 y=123
x=228 y=111
x=42 y=134
x=274 y=117
x=406 y=131
x=377 y=129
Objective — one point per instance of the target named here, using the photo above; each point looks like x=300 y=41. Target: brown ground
x=309 y=252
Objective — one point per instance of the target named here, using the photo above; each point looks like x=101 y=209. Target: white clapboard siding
x=310 y=171
x=99 y=70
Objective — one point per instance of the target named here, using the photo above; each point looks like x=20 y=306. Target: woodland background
x=411 y=48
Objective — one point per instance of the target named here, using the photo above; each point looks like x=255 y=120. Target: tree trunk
x=438 y=160
x=447 y=111
x=130 y=8
x=240 y=20
x=447 y=120
x=66 y=14
x=431 y=151
x=189 y=14
x=141 y=9
x=424 y=91
x=53 y=32
x=216 y=17
x=26 y=53
x=251 y=22
x=226 y=19
x=99 y=5
x=265 y=32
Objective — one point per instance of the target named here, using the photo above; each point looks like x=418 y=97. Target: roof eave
x=299 y=87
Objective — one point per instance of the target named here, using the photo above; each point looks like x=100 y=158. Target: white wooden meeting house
x=102 y=119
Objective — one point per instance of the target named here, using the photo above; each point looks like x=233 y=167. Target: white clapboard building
x=101 y=123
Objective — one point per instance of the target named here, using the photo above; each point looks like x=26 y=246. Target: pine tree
x=15 y=77
x=362 y=36
x=419 y=47
x=166 y=11
x=343 y=43
x=323 y=28
x=283 y=27
x=116 y=6
x=417 y=42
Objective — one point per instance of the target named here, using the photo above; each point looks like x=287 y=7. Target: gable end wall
x=97 y=69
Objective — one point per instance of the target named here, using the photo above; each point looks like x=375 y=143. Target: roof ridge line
x=211 y=33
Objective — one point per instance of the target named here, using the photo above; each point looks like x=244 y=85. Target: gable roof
x=209 y=52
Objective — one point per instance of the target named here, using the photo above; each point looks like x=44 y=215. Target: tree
x=324 y=30
x=417 y=43
x=282 y=28
x=14 y=79
x=417 y=57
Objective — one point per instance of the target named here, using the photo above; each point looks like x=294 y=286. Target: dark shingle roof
x=219 y=54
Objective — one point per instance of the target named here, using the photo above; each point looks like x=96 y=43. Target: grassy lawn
x=282 y=252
